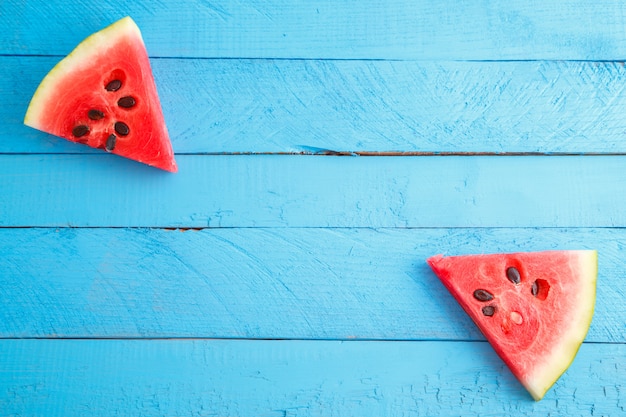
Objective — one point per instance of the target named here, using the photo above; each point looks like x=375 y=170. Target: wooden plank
x=266 y=283
x=292 y=378
x=314 y=191
x=283 y=106
x=395 y=29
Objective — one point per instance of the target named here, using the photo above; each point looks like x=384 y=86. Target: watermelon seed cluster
x=539 y=289
x=484 y=296
x=120 y=128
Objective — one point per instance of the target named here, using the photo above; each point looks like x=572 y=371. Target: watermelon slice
x=534 y=308
x=103 y=95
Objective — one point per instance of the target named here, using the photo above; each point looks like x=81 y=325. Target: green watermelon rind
x=95 y=44
x=563 y=354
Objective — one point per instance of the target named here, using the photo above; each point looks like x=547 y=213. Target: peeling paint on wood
x=295 y=378
x=326 y=149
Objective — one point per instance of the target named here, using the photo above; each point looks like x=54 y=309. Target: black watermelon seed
x=94 y=114
x=110 y=145
x=513 y=275
x=80 y=130
x=113 y=85
x=122 y=128
x=534 y=289
x=489 y=311
x=126 y=102
x=483 y=295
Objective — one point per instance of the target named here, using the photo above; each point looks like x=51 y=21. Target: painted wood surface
x=314 y=283
x=281 y=272
x=291 y=378
x=327 y=29
x=317 y=106
x=314 y=191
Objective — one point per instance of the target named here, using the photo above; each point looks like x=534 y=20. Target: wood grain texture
x=296 y=106
x=266 y=283
x=396 y=29
x=296 y=284
x=291 y=378
x=314 y=191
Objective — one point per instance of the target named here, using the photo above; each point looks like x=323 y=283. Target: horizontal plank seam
x=374 y=228
x=330 y=152
x=364 y=59
x=278 y=339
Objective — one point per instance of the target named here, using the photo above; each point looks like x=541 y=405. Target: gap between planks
x=334 y=59
x=268 y=339
x=331 y=152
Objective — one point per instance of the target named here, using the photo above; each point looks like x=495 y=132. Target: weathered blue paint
x=293 y=378
x=286 y=283
x=100 y=265
x=300 y=106
x=328 y=29
x=314 y=191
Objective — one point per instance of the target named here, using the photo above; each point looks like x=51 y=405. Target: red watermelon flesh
x=534 y=308
x=103 y=95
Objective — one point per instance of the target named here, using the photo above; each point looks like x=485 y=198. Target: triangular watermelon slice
x=534 y=308
x=103 y=95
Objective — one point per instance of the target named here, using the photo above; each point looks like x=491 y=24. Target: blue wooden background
x=325 y=148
